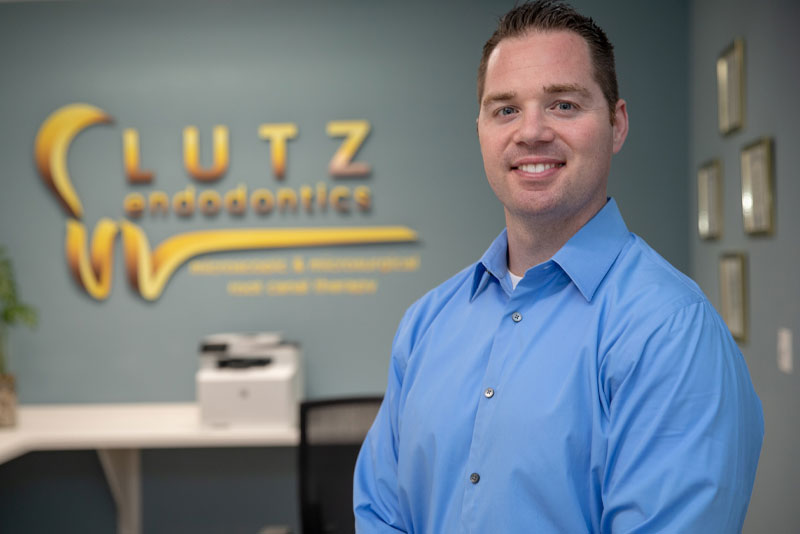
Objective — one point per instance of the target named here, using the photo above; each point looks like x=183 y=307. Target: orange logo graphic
x=148 y=270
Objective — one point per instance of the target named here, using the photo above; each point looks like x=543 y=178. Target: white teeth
x=538 y=167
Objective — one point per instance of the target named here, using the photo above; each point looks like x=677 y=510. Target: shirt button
x=489 y=393
x=516 y=317
x=474 y=478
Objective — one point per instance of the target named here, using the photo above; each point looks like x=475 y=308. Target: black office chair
x=331 y=433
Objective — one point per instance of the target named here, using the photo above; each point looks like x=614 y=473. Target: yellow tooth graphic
x=51 y=147
x=94 y=274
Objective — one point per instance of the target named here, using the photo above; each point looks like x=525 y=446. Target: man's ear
x=620 y=125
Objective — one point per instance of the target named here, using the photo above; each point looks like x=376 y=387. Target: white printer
x=249 y=379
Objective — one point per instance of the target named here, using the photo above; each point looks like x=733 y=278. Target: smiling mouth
x=538 y=167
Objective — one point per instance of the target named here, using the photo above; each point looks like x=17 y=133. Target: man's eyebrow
x=557 y=88
x=566 y=88
x=498 y=97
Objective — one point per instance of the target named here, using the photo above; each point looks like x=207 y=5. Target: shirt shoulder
x=642 y=282
x=652 y=311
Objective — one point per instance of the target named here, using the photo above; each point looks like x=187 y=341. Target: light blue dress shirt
x=603 y=395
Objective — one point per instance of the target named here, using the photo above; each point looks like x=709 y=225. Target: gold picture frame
x=758 y=187
x=709 y=200
x=730 y=87
x=733 y=293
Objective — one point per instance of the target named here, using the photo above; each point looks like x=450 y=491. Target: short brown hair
x=549 y=15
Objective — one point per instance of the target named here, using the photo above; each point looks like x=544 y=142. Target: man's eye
x=565 y=106
x=506 y=110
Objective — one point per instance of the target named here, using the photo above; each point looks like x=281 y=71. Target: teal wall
x=772 y=81
x=408 y=68
x=161 y=68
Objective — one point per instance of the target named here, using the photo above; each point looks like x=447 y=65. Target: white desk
x=118 y=431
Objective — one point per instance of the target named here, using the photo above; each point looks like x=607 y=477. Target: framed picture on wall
x=733 y=293
x=758 y=187
x=730 y=87
x=709 y=200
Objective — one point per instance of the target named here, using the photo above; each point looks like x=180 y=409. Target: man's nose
x=534 y=126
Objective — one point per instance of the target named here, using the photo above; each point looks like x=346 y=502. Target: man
x=571 y=381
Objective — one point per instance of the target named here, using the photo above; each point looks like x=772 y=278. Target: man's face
x=545 y=131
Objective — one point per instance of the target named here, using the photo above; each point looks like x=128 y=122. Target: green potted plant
x=12 y=311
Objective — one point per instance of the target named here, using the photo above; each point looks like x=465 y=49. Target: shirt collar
x=585 y=258
x=494 y=262
x=589 y=254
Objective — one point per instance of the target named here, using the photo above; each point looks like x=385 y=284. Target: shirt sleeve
x=375 y=488
x=684 y=429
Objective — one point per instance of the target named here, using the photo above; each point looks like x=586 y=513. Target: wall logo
x=148 y=270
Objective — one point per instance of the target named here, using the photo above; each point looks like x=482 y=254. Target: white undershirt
x=514 y=279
